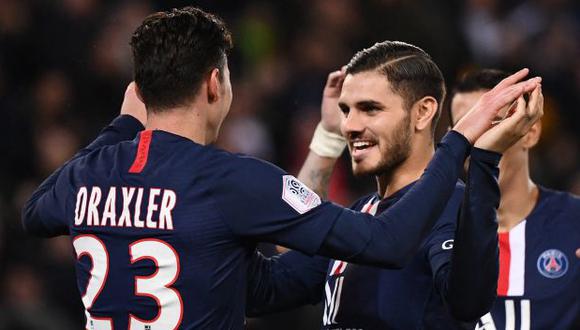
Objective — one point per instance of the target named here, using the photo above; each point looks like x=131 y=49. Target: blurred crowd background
x=64 y=65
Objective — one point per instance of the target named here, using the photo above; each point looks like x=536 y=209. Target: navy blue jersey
x=539 y=282
x=165 y=229
x=448 y=284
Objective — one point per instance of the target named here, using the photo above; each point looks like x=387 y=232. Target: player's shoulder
x=561 y=205
x=564 y=200
x=240 y=174
x=247 y=166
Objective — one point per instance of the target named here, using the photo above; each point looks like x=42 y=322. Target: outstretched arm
x=470 y=287
x=467 y=282
x=279 y=209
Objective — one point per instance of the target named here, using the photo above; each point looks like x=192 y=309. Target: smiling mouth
x=360 y=148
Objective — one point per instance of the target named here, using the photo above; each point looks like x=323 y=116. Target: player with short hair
x=539 y=231
x=391 y=96
x=165 y=226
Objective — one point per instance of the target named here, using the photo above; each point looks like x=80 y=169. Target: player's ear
x=425 y=110
x=533 y=136
x=213 y=85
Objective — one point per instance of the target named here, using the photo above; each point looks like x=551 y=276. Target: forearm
x=395 y=238
x=474 y=268
x=283 y=282
x=315 y=173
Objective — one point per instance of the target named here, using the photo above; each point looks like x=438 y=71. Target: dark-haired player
x=164 y=226
x=539 y=232
x=391 y=96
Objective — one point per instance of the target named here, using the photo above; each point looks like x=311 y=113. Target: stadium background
x=64 y=66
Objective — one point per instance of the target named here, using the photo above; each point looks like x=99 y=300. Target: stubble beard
x=395 y=151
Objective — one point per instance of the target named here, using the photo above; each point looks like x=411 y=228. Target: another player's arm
x=467 y=277
x=44 y=213
x=284 y=281
x=316 y=172
x=263 y=213
x=472 y=280
x=390 y=239
x=327 y=144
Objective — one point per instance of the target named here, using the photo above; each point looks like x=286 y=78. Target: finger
x=578 y=253
x=511 y=93
x=534 y=105
x=333 y=78
x=541 y=102
x=514 y=78
x=519 y=106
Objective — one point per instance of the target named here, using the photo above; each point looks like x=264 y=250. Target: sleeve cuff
x=486 y=156
x=458 y=143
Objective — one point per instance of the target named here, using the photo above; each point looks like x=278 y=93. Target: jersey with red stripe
x=165 y=229
x=363 y=297
x=448 y=284
x=539 y=279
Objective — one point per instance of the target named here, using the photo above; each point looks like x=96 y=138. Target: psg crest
x=552 y=263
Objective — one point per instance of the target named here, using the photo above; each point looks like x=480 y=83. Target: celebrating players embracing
x=192 y=214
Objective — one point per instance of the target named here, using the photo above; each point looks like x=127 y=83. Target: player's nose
x=352 y=124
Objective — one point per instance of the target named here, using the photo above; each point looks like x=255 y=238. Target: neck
x=407 y=172
x=519 y=195
x=188 y=122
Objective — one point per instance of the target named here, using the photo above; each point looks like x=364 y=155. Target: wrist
x=327 y=144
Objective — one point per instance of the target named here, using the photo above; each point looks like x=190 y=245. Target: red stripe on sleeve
x=142 y=152
x=504 y=264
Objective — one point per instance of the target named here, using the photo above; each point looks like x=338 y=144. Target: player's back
x=152 y=250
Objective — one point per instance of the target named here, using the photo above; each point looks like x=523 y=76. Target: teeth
x=361 y=144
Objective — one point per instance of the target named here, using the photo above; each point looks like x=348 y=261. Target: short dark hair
x=173 y=51
x=409 y=69
x=475 y=81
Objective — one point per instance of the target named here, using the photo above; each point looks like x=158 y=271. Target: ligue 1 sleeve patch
x=297 y=195
x=552 y=263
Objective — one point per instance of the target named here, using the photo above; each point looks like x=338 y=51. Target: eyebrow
x=369 y=104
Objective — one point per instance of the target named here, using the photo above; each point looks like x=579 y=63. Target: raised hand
x=481 y=117
x=330 y=112
x=132 y=105
x=508 y=131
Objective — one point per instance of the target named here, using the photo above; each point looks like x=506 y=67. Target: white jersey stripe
x=517 y=259
x=525 y=320
x=510 y=315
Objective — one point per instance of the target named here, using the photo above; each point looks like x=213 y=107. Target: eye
x=369 y=108
x=344 y=109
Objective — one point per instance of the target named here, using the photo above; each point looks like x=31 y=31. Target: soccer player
x=164 y=225
x=539 y=232
x=390 y=101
